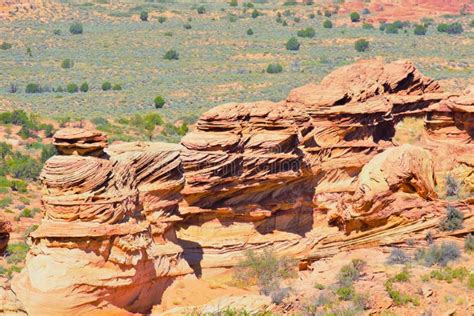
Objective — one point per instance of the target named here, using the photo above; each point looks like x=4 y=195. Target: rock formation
x=307 y=177
x=105 y=244
x=5 y=230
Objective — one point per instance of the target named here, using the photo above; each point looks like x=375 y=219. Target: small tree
x=84 y=87
x=327 y=24
x=307 y=32
x=355 y=17
x=76 y=28
x=233 y=3
x=274 y=68
x=249 y=32
x=201 y=9
x=292 y=44
x=144 y=16
x=67 y=63
x=361 y=45
x=106 y=86
x=159 y=102
x=419 y=29
x=171 y=55
x=72 y=88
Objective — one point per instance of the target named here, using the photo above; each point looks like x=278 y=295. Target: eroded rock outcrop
x=105 y=244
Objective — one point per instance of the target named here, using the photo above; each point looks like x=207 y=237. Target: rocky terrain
x=318 y=178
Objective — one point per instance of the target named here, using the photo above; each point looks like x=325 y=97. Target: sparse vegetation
x=171 y=55
x=293 y=44
x=308 y=32
x=453 y=220
x=452 y=28
x=76 y=28
x=469 y=243
x=398 y=256
x=361 y=45
x=441 y=255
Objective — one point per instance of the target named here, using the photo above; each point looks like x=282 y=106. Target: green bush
x=367 y=26
x=5 y=46
x=345 y=293
x=22 y=167
x=441 y=255
x=57 y=32
x=452 y=186
x=159 y=102
x=327 y=24
x=106 y=86
x=187 y=26
x=255 y=14
x=449 y=274
x=84 y=87
x=292 y=44
x=48 y=151
x=33 y=88
x=249 y=32
x=201 y=9
x=453 y=220
x=144 y=16
x=267 y=269
x=274 y=68
x=419 y=29
x=308 y=32
x=161 y=19
x=16 y=252
x=171 y=55
x=72 y=88
x=391 y=29
x=350 y=272
x=67 y=63
x=5 y=150
x=453 y=28
x=470 y=281
x=233 y=3
x=355 y=17
x=76 y=28
x=327 y=13
x=6 y=201
x=116 y=87
x=361 y=45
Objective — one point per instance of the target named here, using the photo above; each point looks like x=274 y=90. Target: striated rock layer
x=305 y=177
x=105 y=244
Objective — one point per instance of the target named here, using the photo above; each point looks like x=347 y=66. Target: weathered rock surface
x=105 y=244
x=5 y=230
x=307 y=177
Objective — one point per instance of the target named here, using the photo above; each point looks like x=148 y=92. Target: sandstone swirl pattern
x=306 y=177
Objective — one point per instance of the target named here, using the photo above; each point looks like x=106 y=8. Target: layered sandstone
x=106 y=241
x=305 y=177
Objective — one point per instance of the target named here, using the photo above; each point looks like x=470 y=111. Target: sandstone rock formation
x=5 y=230
x=306 y=177
x=106 y=242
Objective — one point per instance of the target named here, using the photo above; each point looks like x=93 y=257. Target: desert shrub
x=249 y=32
x=76 y=28
x=308 y=32
x=367 y=26
x=398 y=297
x=72 y=88
x=5 y=46
x=106 y=86
x=327 y=24
x=26 y=212
x=255 y=14
x=469 y=243
x=327 y=13
x=365 y=11
x=345 y=293
x=117 y=87
x=361 y=45
x=248 y=5
x=29 y=230
x=452 y=186
x=449 y=274
x=171 y=55
x=201 y=9
x=403 y=276
x=419 y=29
x=470 y=281
x=441 y=255
x=398 y=256
x=292 y=44
x=67 y=63
x=5 y=150
x=144 y=16
x=311 y=16
x=453 y=28
x=47 y=151
x=391 y=28
x=355 y=17
x=6 y=201
x=233 y=3
x=274 y=68
x=16 y=252
x=187 y=26
x=297 y=19
x=161 y=19
x=279 y=295
x=265 y=269
x=22 y=166
x=84 y=87
x=57 y=32
x=284 y=23
x=453 y=220
x=33 y=88
x=350 y=272
x=159 y=102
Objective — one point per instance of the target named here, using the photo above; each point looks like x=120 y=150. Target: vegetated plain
x=218 y=60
